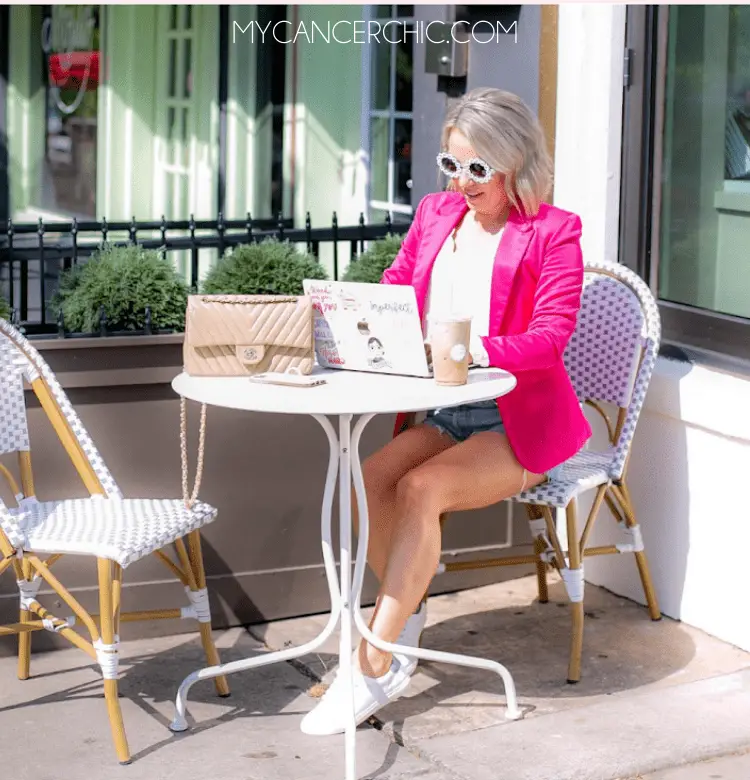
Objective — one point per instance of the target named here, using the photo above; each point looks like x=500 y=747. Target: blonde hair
x=506 y=134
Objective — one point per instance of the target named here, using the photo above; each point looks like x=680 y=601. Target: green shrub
x=124 y=280
x=268 y=267
x=5 y=311
x=373 y=262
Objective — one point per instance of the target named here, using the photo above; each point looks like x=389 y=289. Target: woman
x=491 y=247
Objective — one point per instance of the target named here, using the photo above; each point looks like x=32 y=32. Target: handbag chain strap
x=187 y=498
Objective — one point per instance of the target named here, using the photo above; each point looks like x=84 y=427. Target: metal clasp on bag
x=251 y=354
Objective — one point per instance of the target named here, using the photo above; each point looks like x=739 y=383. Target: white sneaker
x=411 y=635
x=370 y=694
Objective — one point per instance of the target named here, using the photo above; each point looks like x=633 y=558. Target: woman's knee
x=420 y=487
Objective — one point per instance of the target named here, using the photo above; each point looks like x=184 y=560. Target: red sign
x=74 y=70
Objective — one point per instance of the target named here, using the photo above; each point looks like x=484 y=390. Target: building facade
x=123 y=111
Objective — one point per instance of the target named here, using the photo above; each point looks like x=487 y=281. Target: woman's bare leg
x=474 y=474
x=382 y=472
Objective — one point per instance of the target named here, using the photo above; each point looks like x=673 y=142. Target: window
x=705 y=214
x=691 y=170
x=390 y=114
x=177 y=112
x=71 y=60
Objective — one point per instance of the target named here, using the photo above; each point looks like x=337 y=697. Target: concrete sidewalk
x=658 y=701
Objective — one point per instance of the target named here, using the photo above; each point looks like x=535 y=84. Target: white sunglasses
x=476 y=168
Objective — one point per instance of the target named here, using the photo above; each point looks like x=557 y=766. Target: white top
x=345 y=392
x=461 y=283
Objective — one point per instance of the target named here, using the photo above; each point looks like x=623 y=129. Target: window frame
x=689 y=332
x=391 y=114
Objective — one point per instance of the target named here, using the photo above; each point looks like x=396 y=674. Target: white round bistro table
x=344 y=395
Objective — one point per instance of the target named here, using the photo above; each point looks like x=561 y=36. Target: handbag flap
x=258 y=320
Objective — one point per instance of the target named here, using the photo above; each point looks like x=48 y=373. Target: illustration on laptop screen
x=367 y=327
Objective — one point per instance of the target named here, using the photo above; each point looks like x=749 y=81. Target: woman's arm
x=401 y=269
x=556 y=305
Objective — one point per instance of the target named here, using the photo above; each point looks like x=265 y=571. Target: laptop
x=368 y=327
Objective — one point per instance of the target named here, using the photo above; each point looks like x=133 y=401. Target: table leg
x=512 y=710
x=179 y=722
x=347 y=603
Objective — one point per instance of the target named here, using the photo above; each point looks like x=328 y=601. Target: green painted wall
x=327 y=121
x=25 y=110
x=242 y=128
x=127 y=118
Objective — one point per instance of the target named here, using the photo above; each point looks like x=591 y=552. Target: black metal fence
x=32 y=256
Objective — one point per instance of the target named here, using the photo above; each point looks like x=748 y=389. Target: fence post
x=354 y=253
x=42 y=274
x=74 y=234
x=220 y=230
x=11 y=284
x=335 y=234
x=193 y=256
x=132 y=231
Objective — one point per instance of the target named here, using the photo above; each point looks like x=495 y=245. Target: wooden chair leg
x=574 y=585
x=623 y=496
x=207 y=639
x=106 y=650
x=535 y=513
x=24 y=638
x=541 y=572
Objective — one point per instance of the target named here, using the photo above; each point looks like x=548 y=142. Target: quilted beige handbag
x=241 y=335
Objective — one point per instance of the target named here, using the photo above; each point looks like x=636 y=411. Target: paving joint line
x=373 y=721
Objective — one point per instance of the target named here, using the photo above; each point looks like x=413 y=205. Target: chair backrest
x=19 y=362
x=14 y=431
x=612 y=352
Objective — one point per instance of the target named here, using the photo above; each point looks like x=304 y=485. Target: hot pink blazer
x=535 y=298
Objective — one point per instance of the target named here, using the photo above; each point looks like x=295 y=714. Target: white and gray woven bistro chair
x=610 y=359
x=112 y=530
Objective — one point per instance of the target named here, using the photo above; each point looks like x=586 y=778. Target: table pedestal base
x=344 y=464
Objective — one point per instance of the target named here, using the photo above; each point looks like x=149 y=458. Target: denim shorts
x=460 y=422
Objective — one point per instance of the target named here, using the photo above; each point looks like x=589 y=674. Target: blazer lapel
x=510 y=252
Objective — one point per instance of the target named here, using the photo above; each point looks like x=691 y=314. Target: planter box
x=264 y=472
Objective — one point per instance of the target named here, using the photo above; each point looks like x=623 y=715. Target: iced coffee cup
x=449 y=341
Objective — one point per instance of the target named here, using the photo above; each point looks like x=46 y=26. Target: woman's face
x=488 y=199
